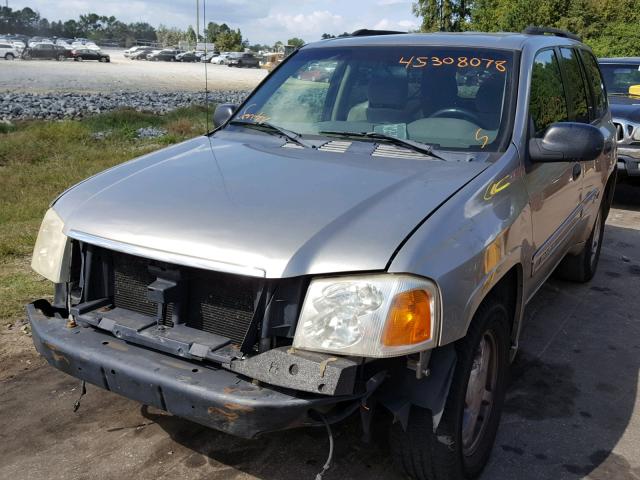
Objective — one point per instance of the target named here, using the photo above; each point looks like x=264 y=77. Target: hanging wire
x=327 y=464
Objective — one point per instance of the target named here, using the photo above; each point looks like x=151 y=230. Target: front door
x=554 y=189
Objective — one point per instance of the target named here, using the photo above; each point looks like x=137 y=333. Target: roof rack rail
x=531 y=30
x=365 y=32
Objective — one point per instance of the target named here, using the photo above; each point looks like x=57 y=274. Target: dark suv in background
x=46 y=51
x=622 y=80
x=243 y=60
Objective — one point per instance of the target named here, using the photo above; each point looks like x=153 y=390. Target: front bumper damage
x=209 y=395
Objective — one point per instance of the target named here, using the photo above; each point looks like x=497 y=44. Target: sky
x=260 y=21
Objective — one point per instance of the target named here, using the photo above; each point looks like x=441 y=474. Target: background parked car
x=131 y=51
x=8 y=51
x=191 y=56
x=220 y=59
x=243 y=60
x=87 y=54
x=208 y=56
x=46 y=51
x=142 y=53
x=165 y=55
x=622 y=79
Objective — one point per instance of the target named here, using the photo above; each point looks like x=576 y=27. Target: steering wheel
x=457 y=112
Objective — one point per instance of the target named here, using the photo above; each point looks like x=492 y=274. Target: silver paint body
x=240 y=202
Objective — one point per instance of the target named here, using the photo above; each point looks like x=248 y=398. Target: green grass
x=39 y=160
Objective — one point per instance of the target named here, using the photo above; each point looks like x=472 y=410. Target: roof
x=623 y=60
x=506 y=41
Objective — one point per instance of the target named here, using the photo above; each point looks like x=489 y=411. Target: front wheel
x=61 y=58
x=462 y=443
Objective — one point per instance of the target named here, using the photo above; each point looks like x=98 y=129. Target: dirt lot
x=573 y=408
x=121 y=74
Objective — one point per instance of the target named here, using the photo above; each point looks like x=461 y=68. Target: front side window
x=576 y=88
x=547 y=103
x=451 y=98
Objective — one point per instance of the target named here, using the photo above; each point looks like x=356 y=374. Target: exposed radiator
x=215 y=302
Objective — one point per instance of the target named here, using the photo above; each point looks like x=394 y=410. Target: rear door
x=554 y=188
x=596 y=173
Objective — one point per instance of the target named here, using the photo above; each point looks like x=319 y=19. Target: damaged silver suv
x=361 y=234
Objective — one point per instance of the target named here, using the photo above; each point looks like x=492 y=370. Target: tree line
x=610 y=27
x=100 y=28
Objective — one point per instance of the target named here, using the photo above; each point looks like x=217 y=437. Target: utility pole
x=197 y=21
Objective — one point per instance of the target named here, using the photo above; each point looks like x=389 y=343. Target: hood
x=241 y=201
x=625 y=107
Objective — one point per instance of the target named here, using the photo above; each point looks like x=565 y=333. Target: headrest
x=439 y=89
x=388 y=92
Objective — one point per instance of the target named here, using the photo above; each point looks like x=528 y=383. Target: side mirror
x=567 y=142
x=634 y=90
x=223 y=112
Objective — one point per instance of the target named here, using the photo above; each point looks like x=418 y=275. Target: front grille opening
x=214 y=302
x=619 y=132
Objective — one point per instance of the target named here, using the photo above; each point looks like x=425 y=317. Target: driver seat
x=439 y=90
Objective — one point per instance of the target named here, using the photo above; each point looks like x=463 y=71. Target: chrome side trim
x=160 y=255
x=558 y=237
x=547 y=249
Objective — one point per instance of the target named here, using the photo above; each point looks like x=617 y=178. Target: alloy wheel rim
x=479 y=398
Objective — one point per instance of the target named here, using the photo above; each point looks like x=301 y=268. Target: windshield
x=450 y=98
x=618 y=77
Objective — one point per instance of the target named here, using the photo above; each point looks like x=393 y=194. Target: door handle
x=577 y=170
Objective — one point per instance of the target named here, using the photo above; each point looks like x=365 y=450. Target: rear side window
x=576 y=88
x=594 y=79
x=547 y=103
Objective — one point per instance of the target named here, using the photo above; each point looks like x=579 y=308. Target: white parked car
x=8 y=51
x=128 y=52
x=220 y=59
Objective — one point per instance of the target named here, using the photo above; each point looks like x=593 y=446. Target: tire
x=9 y=56
x=26 y=56
x=79 y=59
x=454 y=452
x=102 y=60
x=61 y=58
x=582 y=267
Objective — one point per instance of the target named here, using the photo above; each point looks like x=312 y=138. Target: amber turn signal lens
x=409 y=319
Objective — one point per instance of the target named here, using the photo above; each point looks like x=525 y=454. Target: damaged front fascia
x=301 y=370
x=405 y=390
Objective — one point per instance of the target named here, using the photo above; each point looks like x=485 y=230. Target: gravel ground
x=48 y=89
x=54 y=106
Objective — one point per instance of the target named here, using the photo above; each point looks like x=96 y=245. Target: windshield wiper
x=271 y=128
x=403 y=142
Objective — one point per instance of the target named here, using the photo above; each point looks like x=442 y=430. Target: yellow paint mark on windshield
x=482 y=138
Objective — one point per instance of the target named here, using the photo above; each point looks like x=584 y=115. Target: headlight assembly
x=52 y=252
x=369 y=315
